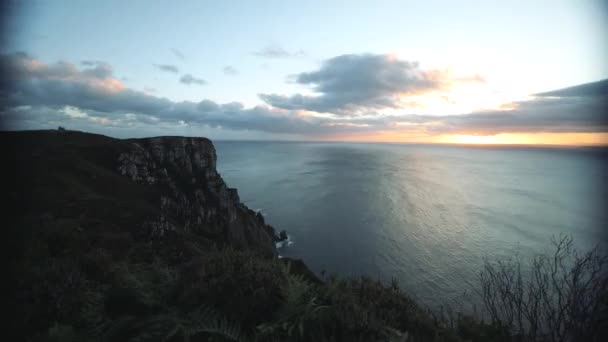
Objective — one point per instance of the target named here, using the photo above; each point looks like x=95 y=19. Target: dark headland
x=141 y=240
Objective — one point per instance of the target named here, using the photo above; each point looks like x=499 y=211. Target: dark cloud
x=19 y=65
x=31 y=90
x=189 y=79
x=167 y=68
x=229 y=70
x=28 y=82
x=541 y=115
x=259 y=118
x=357 y=83
x=278 y=52
x=599 y=88
x=35 y=94
x=178 y=54
x=90 y=63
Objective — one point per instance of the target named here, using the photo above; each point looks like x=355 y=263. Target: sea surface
x=426 y=215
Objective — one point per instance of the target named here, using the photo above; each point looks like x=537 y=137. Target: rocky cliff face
x=134 y=190
x=195 y=198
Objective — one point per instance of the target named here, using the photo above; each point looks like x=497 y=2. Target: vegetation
x=557 y=297
x=220 y=295
x=78 y=270
x=230 y=295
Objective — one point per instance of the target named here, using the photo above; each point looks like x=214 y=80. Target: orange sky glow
x=557 y=139
x=467 y=97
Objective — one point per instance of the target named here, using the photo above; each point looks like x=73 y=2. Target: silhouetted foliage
x=558 y=297
x=230 y=295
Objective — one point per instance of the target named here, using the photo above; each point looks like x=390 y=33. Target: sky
x=402 y=71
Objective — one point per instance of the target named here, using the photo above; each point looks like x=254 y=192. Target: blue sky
x=516 y=47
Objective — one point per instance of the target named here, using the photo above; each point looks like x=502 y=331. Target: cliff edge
x=141 y=189
x=193 y=196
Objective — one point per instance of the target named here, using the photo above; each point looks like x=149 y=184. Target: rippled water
x=425 y=215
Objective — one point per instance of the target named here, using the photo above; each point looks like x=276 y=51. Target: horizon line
x=484 y=145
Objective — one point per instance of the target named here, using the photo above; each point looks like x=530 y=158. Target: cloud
x=599 y=88
x=229 y=70
x=561 y=115
x=349 y=84
x=189 y=79
x=31 y=90
x=27 y=81
x=90 y=63
x=34 y=94
x=275 y=51
x=167 y=68
x=178 y=54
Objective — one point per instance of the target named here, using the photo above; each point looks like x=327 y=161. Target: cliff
x=147 y=188
x=141 y=240
x=194 y=198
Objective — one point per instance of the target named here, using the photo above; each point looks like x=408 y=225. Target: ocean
x=425 y=215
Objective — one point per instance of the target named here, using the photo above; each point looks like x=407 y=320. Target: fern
x=206 y=320
x=300 y=307
x=163 y=327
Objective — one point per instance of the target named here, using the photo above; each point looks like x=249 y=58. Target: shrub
x=558 y=297
x=236 y=283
